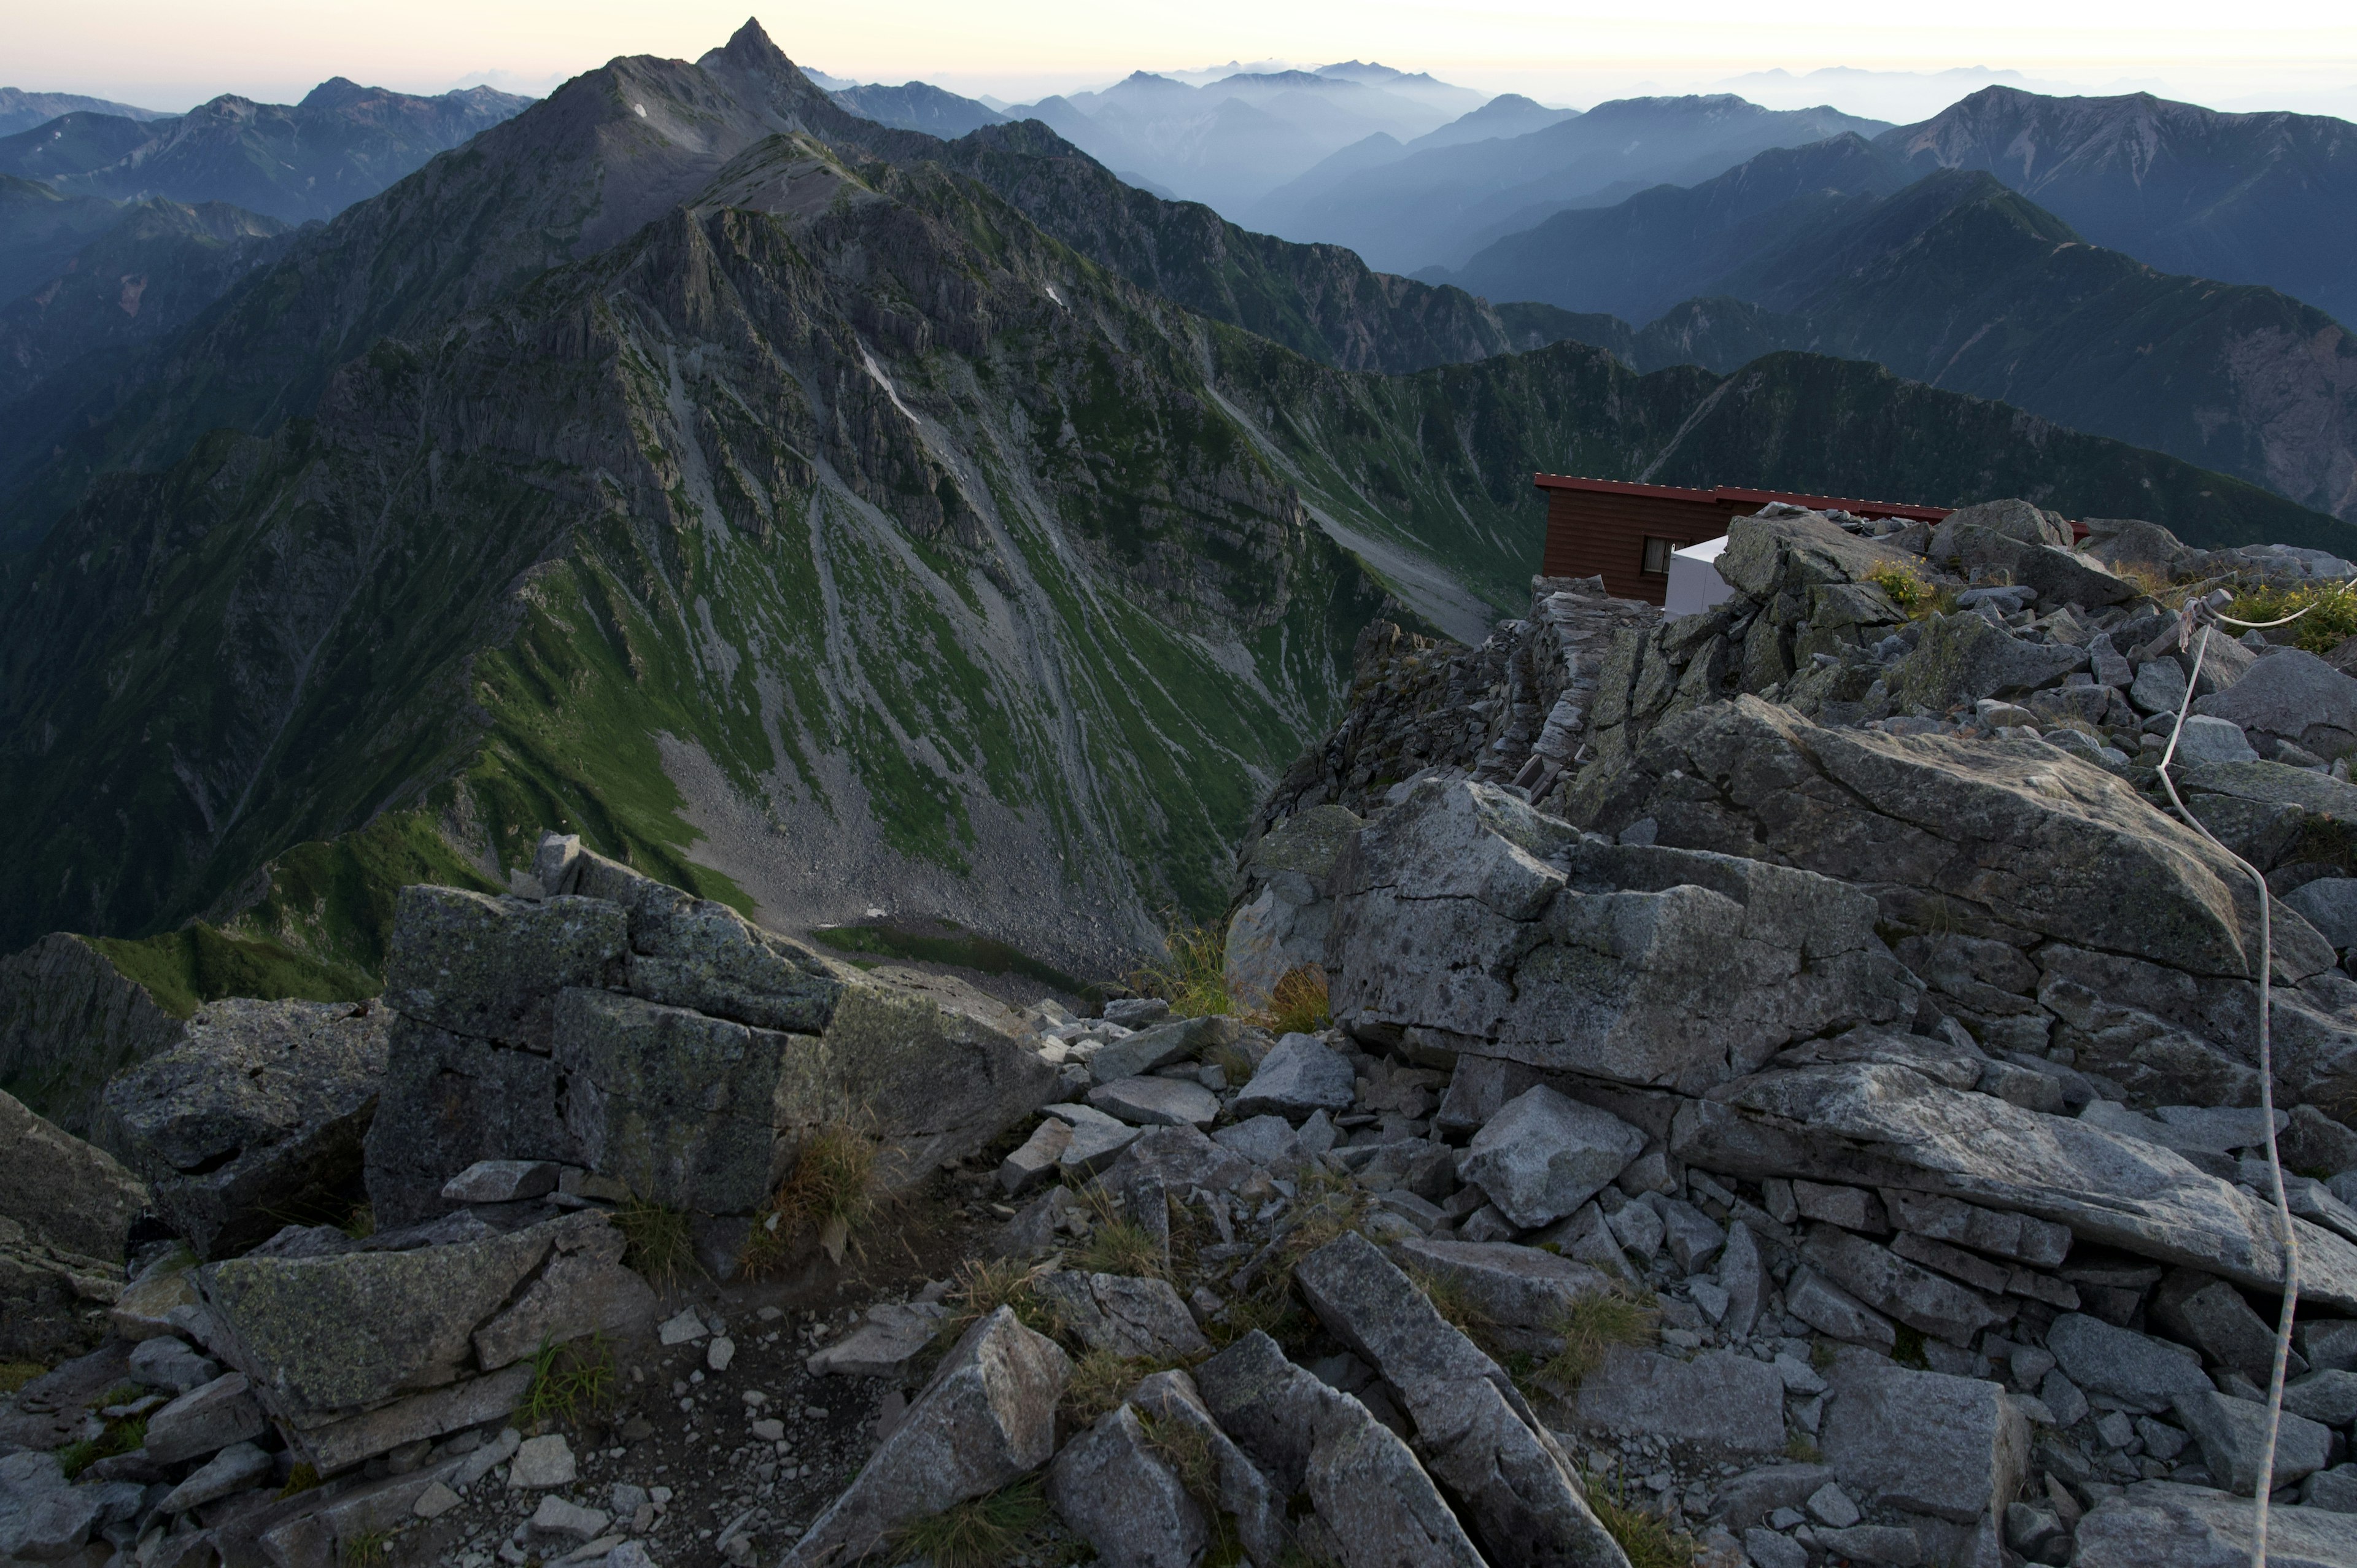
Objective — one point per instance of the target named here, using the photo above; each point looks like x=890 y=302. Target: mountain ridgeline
x=1953 y=278
x=822 y=516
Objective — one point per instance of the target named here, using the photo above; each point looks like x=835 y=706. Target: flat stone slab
x=1156 y=1101
x=2159 y=1524
x=1520 y=1286
x=2124 y=1366
x=1952 y=1447
x=1301 y=1075
x=1720 y=1401
x=1545 y=1153
x=887 y=1340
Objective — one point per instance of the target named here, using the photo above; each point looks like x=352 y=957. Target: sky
x=2293 y=54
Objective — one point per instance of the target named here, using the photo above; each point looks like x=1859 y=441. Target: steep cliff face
x=851 y=521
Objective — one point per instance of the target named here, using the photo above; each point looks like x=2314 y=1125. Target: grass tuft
x=1593 y=1324
x=15 y=1375
x=984 y=1285
x=983 y=1533
x=1298 y=1005
x=657 y=1242
x=1901 y=586
x=834 y=1179
x=366 y=1549
x=1120 y=1247
x=1802 y=1449
x=1644 y=1538
x=1101 y=1381
x=303 y=1477
x=2331 y=620
x=120 y=1437
x=567 y=1380
x=1453 y=1302
x=1193 y=977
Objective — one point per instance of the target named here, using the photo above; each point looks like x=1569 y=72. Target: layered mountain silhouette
x=1955 y=280
x=1438 y=206
x=21 y=111
x=343 y=143
x=817 y=513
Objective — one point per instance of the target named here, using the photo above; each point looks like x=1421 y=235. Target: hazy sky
x=2288 y=53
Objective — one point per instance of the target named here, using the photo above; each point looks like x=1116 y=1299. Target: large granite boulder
x=257 y=1116
x=66 y=1210
x=490 y=968
x=449 y=1101
x=1962 y=658
x=1880 y=1125
x=987 y=1417
x=2291 y=695
x=2160 y=1524
x=686 y=951
x=676 y=1105
x=327 y=1336
x=1474 y=1430
x=1375 y=1506
x=1283 y=901
x=1465 y=914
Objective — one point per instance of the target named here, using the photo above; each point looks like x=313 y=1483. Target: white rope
x=2266 y=1091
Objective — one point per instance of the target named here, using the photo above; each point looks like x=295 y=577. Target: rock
x=2328 y=1344
x=1893 y=1544
x=1827 y=1307
x=1692 y=1237
x=1160 y=1044
x=66 y=1210
x=233 y=1469
x=675 y=1105
x=934 y=1084
x=2122 y=1366
x=1136 y=1011
x=720 y=1353
x=692 y=952
x=1265 y=1140
x=1744 y=1276
x=889 y=1337
x=1913 y=1294
x=2231 y=1434
x=558 y=1517
x=1633 y=962
x=500 y=1181
x=1037 y=1160
x=1543 y=1155
x=2216 y=1318
x=435 y=1501
x=683 y=1328
x=1156 y=1101
x=1119 y=1491
x=2159 y=1524
x=1889 y=1124
x=2013 y=519
x=1833 y=1506
x=1751 y=1496
x=1093 y=1146
x=1170 y=1400
x=2328 y=1398
x=41 y=1517
x=987 y=1417
x=259 y=1113
x=143 y=1310
x=2211 y=739
x=1476 y=1434
x=449 y=1101
x=2016 y=1236
x=205 y=1421
x=326 y=1337
x=1478 y=1090
x=1639 y=1227
x=340 y=1444
x=2329 y=904
x=1726 y=1404
x=1130 y=1316
x=1365 y=1487
x=1282 y=906
x=1181 y=1159
x=542 y=1462
x=1962 y=656
x=2291 y=695
x=492 y=968
x=165 y=1362
x=1766 y=1549
x=1301 y=1075
x=1518 y=1287
x=1852 y=1208
x=2159 y=687
x=1952 y=1447
x=2334 y=1489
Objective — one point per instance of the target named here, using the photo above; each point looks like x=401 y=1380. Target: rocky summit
x=1774 y=1087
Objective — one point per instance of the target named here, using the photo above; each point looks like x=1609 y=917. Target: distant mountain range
x=1957 y=280
x=917 y=106
x=292 y=162
x=816 y=513
x=1231 y=142
x=1438 y=206
x=21 y=111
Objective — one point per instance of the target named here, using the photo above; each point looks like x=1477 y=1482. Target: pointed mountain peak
x=750 y=46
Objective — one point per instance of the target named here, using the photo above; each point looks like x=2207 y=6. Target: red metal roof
x=1722 y=494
